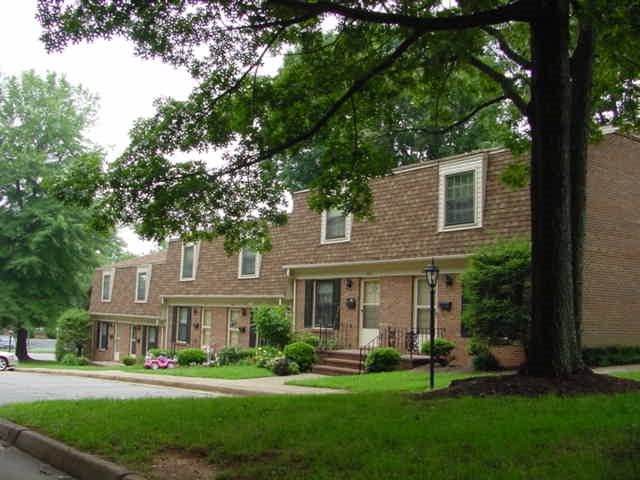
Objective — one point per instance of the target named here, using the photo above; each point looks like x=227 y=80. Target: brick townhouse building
x=357 y=281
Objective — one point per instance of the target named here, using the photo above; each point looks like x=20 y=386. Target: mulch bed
x=522 y=385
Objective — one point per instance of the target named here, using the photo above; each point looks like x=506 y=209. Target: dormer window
x=249 y=263
x=107 y=285
x=143 y=280
x=189 y=261
x=336 y=226
x=461 y=194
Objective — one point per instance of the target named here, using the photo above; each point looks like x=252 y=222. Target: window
x=143 y=279
x=421 y=307
x=461 y=194
x=189 y=261
x=322 y=304
x=103 y=335
x=336 y=227
x=107 y=285
x=152 y=337
x=184 y=325
x=370 y=304
x=249 y=263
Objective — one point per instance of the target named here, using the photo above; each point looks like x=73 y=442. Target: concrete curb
x=63 y=457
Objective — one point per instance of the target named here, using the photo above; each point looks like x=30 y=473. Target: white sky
x=125 y=84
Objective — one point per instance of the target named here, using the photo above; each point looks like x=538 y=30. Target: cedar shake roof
x=158 y=257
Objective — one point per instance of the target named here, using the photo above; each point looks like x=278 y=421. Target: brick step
x=340 y=354
x=340 y=362
x=331 y=370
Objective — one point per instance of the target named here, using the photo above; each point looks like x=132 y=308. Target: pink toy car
x=160 y=362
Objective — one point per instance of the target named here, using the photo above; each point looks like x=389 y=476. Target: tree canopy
x=554 y=67
x=47 y=248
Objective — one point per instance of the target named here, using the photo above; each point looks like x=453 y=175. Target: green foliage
x=285 y=366
x=441 y=349
x=611 y=355
x=129 y=361
x=273 y=325
x=307 y=337
x=74 y=332
x=191 y=356
x=486 y=362
x=382 y=360
x=235 y=355
x=47 y=249
x=74 y=360
x=497 y=290
x=265 y=356
x=301 y=353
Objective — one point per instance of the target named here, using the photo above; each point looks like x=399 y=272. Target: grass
x=400 y=381
x=232 y=372
x=359 y=436
x=632 y=375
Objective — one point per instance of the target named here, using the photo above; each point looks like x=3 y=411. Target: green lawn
x=233 y=372
x=359 y=436
x=400 y=381
x=632 y=375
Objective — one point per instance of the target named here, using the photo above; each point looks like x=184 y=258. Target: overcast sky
x=126 y=85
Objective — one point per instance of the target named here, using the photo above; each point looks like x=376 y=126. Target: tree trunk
x=581 y=73
x=21 y=344
x=553 y=343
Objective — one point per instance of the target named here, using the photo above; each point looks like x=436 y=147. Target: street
x=16 y=465
x=31 y=387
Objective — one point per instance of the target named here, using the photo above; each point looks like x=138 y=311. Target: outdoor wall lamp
x=196 y=325
x=349 y=283
x=350 y=302
x=446 y=306
x=448 y=280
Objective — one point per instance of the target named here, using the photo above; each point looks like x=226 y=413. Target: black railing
x=407 y=341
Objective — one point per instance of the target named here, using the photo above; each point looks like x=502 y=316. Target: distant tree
x=47 y=248
x=74 y=332
x=497 y=292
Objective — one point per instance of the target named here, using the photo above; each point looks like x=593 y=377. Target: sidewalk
x=248 y=386
x=618 y=368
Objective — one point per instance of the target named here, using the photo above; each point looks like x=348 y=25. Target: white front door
x=369 y=311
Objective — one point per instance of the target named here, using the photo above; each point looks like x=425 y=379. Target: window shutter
x=188 y=340
x=174 y=324
x=308 y=303
x=97 y=334
x=337 y=283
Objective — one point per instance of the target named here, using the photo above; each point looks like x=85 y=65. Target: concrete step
x=332 y=370
x=340 y=362
x=347 y=355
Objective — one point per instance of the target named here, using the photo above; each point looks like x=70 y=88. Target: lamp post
x=431 y=273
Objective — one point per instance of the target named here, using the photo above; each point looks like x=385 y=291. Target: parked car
x=7 y=360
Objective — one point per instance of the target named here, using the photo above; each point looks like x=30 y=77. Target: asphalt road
x=31 y=387
x=16 y=465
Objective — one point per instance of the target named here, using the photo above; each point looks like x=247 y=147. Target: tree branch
x=520 y=10
x=356 y=87
x=507 y=85
x=506 y=48
x=462 y=121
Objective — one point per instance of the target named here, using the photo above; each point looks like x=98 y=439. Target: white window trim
x=427 y=307
x=475 y=164
x=196 y=252
x=142 y=269
x=258 y=265
x=109 y=272
x=323 y=230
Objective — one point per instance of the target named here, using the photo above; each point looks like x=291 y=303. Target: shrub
x=229 y=355
x=486 y=362
x=382 y=360
x=71 y=359
x=128 y=361
x=307 y=337
x=612 y=355
x=266 y=355
x=74 y=332
x=301 y=353
x=273 y=325
x=191 y=356
x=284 y=366
x=441 y=350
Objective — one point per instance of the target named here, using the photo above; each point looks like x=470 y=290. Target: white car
x=7 y=360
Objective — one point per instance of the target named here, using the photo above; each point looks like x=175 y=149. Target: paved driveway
x=30 y=387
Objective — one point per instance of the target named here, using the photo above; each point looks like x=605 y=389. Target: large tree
x=539 y=58
x=47 y=248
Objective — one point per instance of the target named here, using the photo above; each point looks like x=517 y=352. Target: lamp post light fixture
x=431 y=273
